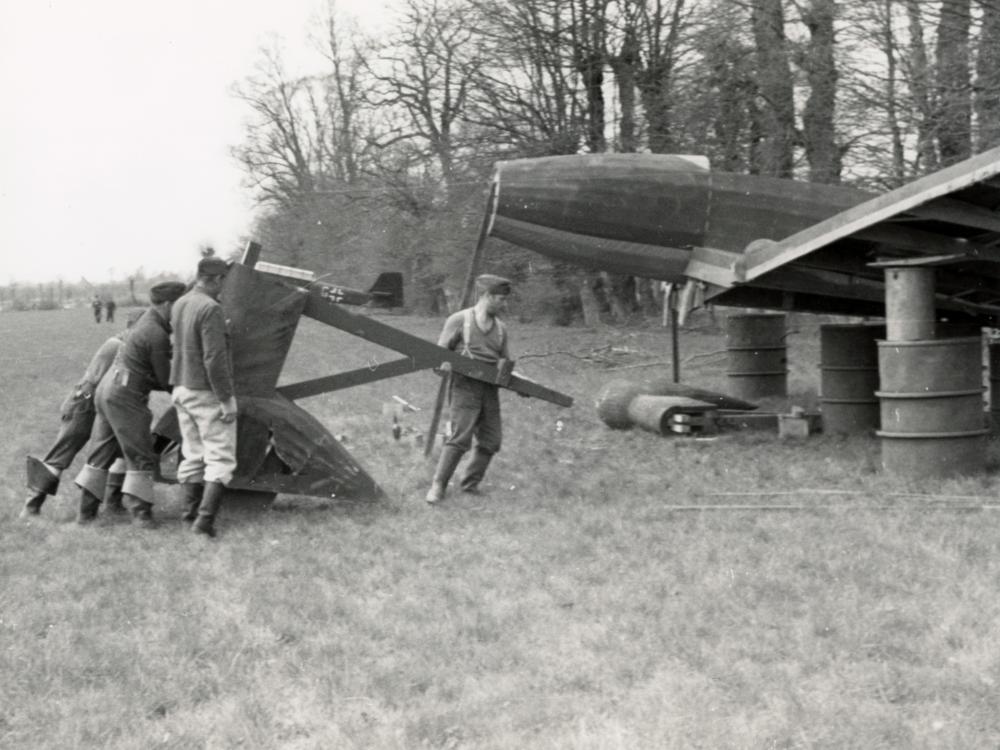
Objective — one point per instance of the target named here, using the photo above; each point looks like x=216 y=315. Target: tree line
x=380 y=157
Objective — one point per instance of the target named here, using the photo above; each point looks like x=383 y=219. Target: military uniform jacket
x=201 y=346
x=143 y=361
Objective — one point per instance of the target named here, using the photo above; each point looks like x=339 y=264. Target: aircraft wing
x=949 y=219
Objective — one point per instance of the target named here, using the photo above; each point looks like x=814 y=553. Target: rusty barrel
x=849 y=377
x=758 y=362
x=931 y=407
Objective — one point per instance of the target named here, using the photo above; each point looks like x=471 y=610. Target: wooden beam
x=958 y=212
x=360 y=376
x=321 y=309
x=251 y=254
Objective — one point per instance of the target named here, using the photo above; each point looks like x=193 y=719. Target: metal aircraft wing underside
x=949 y=219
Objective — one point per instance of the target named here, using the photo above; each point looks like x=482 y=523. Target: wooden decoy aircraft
x=280 y=446
x=752 y=241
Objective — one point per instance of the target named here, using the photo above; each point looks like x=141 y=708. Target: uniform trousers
x=122 y=429
x=208 y=445
x=475 y=414
x=77 y=416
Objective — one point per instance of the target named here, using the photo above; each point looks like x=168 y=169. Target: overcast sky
x=117 y=126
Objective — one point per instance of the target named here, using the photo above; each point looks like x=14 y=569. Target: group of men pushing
x=179 y=345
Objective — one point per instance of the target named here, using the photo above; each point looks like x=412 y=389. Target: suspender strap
x=467 y=319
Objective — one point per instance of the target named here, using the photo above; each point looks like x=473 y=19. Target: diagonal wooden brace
x=420 y=355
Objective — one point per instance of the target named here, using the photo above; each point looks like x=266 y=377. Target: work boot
x=113 y=499
x=475 y=471
x=211 y=501
x=33 y=505
x=193 y=492
x=141 y=511
x=89 y=503
x=450 y=457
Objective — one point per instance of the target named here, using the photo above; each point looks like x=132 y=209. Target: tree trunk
x=921 y=88
x=898 y=164
x=954 y=120
x=987 y=102
x=822 y=150
x=623 y=65
x=774 y=81
x=589 y=304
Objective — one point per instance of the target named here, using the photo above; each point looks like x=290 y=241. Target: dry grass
x=570 y=607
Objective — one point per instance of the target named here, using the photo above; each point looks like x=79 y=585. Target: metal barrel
x=849 y=377
x=909 y=303
x=758 y=361
x=994 y=374
x=931 y=407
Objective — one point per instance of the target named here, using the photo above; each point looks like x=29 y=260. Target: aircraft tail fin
x=387 y=291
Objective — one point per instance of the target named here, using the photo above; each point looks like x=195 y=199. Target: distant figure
x=109 y=310
x=95 y=304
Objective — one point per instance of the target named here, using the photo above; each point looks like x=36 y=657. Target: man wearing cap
x=124 y=419
x=78 y=414
x=201 y=374
x=476 y=332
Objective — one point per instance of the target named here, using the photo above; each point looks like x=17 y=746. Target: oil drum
x=758 y=362
x=931 y=407
x=849 y=377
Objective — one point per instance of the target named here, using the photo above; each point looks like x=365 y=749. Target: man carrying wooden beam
x=478 y=333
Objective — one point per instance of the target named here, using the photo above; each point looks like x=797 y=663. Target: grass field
x=569 y=607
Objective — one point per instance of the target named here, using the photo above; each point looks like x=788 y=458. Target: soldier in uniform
x=95 y=305
x=476 y=332
x=124 y=419
x=109 y=310
x=78 y=414
x=202 y=379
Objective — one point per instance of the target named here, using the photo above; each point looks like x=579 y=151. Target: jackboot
x=211 y=501
x=33 y=505
x=475 y=470
x=193 y=492
x=113 y=499
x=140 y=510
x=446 y=466
x=89 y=503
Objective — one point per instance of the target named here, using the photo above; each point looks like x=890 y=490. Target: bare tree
x=954 y=88
x=818 y=130
x=987 y=90
x=774 y=84
x=279 y=151
x=527 y=98
x=423 y=77
x=659 y=28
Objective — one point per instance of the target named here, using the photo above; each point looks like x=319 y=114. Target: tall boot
x=447 y=464
x=140 y=510
x=42 y=481
x=476 y=470
x=33 y=505
x=193 y=493
x=89 y=503
x=211 y=501
x=113 y=494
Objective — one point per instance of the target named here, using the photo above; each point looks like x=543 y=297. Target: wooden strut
x=467 y=291
x=421 y=355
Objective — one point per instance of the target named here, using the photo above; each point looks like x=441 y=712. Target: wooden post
x=674 y=337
